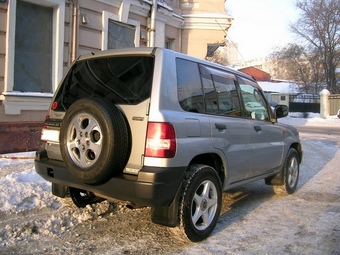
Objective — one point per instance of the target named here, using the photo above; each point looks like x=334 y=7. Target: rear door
x=230 y=132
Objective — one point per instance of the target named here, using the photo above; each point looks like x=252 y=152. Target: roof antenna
x=226 y=36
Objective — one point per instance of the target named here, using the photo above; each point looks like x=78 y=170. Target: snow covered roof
x=279 y=87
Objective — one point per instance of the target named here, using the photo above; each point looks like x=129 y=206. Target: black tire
x=82 y=198
x=94 y=140
x=291 y=170
x=200 y=203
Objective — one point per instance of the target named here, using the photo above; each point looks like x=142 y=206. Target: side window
x=220 y=92
x=189 y=87
x=254 y=103
x=210 y=95
x=227 y=97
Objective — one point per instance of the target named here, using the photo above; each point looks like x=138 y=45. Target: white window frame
x=111 y=16
x=10 y=97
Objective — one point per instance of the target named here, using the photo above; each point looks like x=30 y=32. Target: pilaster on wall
x=201 y=29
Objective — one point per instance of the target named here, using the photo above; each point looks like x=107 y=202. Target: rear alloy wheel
x=94 y=140
x=200 y=203
x=290 y=173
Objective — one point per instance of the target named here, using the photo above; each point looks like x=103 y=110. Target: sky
x=259 y=26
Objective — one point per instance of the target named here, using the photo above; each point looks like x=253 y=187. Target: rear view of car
x=153 y=127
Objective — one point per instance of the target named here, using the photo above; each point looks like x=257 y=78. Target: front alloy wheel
x=290 y=174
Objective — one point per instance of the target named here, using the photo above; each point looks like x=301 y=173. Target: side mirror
x=281 y=111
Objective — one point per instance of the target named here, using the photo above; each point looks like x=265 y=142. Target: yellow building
x=39 y=39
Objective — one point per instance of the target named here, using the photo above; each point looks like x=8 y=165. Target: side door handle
x=257 y=128
x=220 y=126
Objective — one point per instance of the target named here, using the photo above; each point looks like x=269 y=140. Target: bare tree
x=293 y=62
x=319 y=26
x=219 y=57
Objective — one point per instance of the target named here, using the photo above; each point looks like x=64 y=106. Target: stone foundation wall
x=20 y=137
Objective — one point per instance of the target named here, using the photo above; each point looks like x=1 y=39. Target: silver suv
x=157 y=128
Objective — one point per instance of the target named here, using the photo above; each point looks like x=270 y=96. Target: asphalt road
x=329 y=133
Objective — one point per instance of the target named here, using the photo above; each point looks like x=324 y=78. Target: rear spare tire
x=94 y=140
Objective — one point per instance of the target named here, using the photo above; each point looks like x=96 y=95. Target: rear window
x=122 y=80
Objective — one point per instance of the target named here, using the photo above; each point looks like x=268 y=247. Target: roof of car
x=151 y=51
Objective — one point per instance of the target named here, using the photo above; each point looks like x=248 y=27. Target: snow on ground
x=253 y=219
x=310 y=119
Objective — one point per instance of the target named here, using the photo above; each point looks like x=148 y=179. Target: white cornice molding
x=15 y=102
x=211 y=21
x=142 y=8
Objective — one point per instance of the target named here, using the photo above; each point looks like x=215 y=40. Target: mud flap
x=59 y=190
x=276 y=180
x=167 y=215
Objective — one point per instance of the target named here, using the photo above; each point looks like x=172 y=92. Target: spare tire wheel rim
x=84 y=140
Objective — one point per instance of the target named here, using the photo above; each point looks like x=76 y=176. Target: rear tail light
x=160 y=140
x=46 y=119
x=54 y=105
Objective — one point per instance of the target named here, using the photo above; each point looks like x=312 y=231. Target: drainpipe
x=74 y=27
x=152 y=28
x=70 y=32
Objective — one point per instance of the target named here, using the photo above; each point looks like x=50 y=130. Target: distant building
x=232 y=53
x=256 y=73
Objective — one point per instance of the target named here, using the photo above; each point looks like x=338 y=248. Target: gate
x=304 y=103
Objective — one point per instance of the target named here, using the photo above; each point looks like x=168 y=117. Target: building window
x=34 y=60
x=120 y=35
x=33 y=48
x=168 y=43
x=116 y=34
x=283 y=98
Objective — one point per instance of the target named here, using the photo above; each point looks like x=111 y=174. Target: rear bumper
x=153 y=186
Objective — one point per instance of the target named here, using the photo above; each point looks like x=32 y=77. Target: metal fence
x=304 y=103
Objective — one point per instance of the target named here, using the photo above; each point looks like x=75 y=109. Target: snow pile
x=309 y=119
x=21 y=188
x=25 y=191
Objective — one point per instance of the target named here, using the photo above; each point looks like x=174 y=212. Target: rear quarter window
x=190 y=95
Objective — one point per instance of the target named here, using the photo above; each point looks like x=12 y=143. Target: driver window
x=254 y=103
